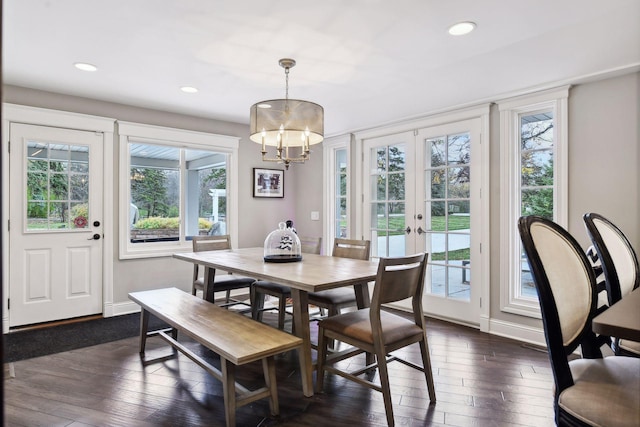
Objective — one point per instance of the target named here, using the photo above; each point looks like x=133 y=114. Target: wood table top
x=314 y=273
x=622 y=319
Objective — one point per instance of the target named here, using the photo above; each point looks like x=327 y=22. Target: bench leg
x=229 y=391
x=269 y=368
x=144 y=328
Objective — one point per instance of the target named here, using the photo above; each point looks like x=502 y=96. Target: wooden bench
x=237 y=339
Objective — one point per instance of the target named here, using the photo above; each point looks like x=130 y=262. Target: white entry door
x=55 y=234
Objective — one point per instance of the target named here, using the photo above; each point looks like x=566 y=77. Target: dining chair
x=620 y=267
x=223 y=281
x=380 y=332
x=261 y=288
x=592 y=390
x=334 y=300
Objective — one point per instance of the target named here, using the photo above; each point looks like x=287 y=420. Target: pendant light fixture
x=289 y=125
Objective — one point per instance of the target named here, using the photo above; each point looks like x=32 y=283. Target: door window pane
x=57 y=194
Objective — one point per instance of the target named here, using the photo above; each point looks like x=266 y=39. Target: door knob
x=420 y=230
x=94 y=237
x=408 y=230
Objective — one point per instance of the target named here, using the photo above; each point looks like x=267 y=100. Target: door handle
x=407 y=230
x=420 y=230
x=94 y=237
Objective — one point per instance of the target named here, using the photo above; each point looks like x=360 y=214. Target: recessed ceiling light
x=462 y=28
x=264 y=105
x=85 y=67
x=189 y=89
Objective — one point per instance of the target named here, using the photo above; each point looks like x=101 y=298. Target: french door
x=55 y=235
x=422 y=194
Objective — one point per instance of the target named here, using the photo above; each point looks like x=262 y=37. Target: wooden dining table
x=314 y=273
x=622 y=319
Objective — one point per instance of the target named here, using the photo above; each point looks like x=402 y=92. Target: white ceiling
x=367 y=62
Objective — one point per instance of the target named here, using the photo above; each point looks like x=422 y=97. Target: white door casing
x=56 y=256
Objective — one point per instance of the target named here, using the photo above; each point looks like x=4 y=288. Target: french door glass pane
x=387 y=210
x=447 y=165
x=57 y=186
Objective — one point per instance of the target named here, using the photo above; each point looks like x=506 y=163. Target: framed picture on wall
x=268 y=183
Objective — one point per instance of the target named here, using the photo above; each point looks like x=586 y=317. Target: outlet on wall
x=315 y=216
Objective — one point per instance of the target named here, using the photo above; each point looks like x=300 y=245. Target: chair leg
x=228 y=296
x=321 y=359
x=257 y=305
x=193 y=290
x=428 y=373
x=282 y=306
x=384 y=384
x=333 y=311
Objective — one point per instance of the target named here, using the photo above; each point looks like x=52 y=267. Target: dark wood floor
x=480 y=379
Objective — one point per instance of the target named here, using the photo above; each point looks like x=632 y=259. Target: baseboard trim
x=518 y=332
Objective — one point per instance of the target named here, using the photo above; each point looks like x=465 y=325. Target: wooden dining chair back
x=222 y=281
x=591 y=390
x=261 y=288
x=310 y=245
x=380 y=332
x=334 y=300
x=619 y=264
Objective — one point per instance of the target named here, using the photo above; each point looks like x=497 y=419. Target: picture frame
x=268 y=183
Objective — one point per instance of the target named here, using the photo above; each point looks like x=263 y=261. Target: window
x=174 y=185
x=337 y=193
x=340 y=171
x=533 y=139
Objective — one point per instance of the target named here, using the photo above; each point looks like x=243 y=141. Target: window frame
x=555 y=100
x=181 y=139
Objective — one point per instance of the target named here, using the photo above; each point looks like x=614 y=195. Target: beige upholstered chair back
x=568 y=278
x=621 y=254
